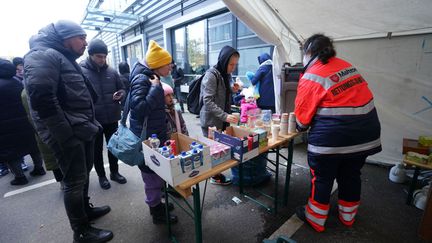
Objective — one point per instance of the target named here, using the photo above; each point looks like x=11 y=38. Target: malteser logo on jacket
x=346 y=72
x=334 y=78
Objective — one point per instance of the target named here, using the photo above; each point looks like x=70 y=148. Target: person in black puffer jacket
x=110 y=91
x=147 y=100
x=17 y=135
x=61 y=106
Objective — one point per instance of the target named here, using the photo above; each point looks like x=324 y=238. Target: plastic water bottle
x=165 y=151
x=154 y=142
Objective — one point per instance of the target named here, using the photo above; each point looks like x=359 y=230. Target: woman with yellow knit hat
x=147 y=100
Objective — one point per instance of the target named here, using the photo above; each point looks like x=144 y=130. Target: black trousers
x=108 y=131
x=346 y=171
x=179 y=96
x=75 y=161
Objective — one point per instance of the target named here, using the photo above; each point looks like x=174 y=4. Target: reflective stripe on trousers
x=316 y=214
x=347 y=211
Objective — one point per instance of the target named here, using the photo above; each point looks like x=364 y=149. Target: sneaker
x=220 y=180
x=24 y=166
x=4 y=171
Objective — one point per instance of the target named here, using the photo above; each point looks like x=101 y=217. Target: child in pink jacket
x=247 y=103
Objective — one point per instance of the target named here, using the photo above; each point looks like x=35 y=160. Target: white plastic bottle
x=154 y=142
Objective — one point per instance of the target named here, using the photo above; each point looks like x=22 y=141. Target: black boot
x=19 y=181
x=38 y=171
x=170 y=207
x=118 y=178
x=159 y=215
x=104 y=183
x=96 y=212
x=89 y=234
x=300 y=212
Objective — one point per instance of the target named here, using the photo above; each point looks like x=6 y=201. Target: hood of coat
x=7 y=69
x=263 y=57
x=223 y=60
x=47 y=37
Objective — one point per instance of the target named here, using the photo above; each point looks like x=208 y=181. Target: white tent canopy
x=389 y=41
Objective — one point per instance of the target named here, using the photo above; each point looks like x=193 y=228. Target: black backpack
x=193 y=99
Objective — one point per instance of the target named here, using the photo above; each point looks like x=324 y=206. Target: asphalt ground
x=35 y=212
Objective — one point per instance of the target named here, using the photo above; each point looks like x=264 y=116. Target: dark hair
x=321 y=46
x=123 y=67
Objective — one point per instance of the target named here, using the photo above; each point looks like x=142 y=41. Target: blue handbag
x=124 y=144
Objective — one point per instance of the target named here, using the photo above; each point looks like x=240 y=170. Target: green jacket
x=47 y=154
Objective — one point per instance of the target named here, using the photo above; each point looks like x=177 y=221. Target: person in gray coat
x=110 y=91
x=61 y=106
x=216 y=96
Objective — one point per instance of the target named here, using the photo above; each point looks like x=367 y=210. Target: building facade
x=193 y=31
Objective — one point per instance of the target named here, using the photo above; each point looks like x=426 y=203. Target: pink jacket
x=244 y=108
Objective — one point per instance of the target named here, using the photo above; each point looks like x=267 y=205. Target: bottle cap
x=154 y=135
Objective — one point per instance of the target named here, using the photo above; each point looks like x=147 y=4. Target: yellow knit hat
x=156 y=56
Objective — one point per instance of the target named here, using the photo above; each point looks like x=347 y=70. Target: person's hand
x=236 y=87
x=154 y=80
x=118 y=95
x=231 y=119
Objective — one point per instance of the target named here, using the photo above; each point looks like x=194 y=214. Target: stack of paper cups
x=275 y=132
x=292 y=123
x=284 y=124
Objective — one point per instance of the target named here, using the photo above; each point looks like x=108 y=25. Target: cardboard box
x=262 y=136
x=217 y=156
x=170 y=169
x=234 y=137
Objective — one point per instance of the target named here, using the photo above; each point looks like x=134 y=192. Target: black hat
x=97 y=46
x=17 y=61
x=7 y=69
x=67 y=29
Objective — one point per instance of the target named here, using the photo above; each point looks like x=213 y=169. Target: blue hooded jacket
x=264 y=75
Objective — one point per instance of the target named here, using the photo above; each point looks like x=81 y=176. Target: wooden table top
x=185 y=188
x=424 y=166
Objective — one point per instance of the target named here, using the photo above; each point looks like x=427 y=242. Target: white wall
x=399 y=72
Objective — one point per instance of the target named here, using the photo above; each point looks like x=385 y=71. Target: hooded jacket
x=106 y=82
x=16 y=133
x=216 y=92
x=264 y=75
x=61 y=98
x=147 y=100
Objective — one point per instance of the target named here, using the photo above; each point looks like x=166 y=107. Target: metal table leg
x=197 y=214
x=241 y=177
x=413 y=185
x=288 y=171
x=276 y=201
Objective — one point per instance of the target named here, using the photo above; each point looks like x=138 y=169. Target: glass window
x=133 y=52
x=219 y=34
x=196 y=52
x=243 y=30
x=179 y=47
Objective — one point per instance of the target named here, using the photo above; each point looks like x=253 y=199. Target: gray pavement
x=38 y=215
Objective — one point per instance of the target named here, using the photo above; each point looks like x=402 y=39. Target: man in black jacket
x=61 y=104
x=178 y=76
x=110 y=91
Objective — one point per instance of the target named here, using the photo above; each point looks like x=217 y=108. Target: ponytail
x=321 y=46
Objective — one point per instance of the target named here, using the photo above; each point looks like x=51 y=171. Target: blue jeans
x=75 y=160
